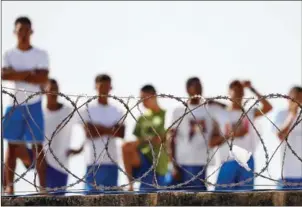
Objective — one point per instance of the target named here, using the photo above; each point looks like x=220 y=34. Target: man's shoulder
x=10 y=52
x=39 y=51
x=33 y=50
x=115 y=110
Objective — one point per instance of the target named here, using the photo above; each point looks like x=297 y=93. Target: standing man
x=191 y=132
x=56 y=120
x=27 y=67
x=138 y=156
x=292 y=166
x=242 y=136
x=104 y=128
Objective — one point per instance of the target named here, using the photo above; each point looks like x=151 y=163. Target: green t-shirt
x=143 y=131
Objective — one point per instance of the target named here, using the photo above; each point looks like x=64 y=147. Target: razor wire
x=124 y=101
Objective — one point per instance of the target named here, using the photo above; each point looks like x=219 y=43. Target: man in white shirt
x=103 y=124
x=239 y=134
x=192 y=128
x=27 y=67
x=285 y=120
x=59 y=120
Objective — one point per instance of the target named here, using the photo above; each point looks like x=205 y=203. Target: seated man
x=138 y=156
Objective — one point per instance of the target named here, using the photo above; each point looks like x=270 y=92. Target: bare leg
x=23 y=155
x=40 y=165
x=131 y=160
x=10 y=167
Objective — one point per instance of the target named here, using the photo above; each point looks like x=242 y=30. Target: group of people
x=40 y=136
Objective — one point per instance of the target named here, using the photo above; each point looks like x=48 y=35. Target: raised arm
x=266 y=106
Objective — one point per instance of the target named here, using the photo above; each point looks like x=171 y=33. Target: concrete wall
x=267 y=198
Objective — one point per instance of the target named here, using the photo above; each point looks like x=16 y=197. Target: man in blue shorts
x=240 y=134
x=27 y=67
x=59 y=120
x=104 y=128
x=138 y=156
x=192 y=129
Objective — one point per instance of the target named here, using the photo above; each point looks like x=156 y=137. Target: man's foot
x=9 y=191
x=131 y=187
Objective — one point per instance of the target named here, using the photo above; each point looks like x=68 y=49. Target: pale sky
x=164 y=43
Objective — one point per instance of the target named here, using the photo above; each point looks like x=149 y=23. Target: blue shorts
x=289 y=186
x=148 y=182
x=24 y=123
x=187 y=172
x=56 y=179
x=101 y=175
x=231 y=172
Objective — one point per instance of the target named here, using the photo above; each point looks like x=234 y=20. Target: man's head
x=103 y=84
x=194 y=86
x=52 y=89
x=148 y=95
x=296 y=94
x=236 y=90
x=23 y=29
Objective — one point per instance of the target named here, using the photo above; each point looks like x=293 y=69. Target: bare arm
x=286 y=128
x=266 y=106
x=218 y=139
x=172 y=144
x=38 y=76
x=12 y=75
x=95 y=131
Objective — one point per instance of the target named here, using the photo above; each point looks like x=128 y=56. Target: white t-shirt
x=193 y=133
x=248 y=142
x=292 y=167
x=107 y=116
x=61 y=140
x=25 y=61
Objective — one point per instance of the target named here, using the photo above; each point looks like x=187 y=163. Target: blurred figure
x=285 y=120
x=137 y=155
x=239 y=134
x=59 y=120
x=103 y=127
x=191 y=131
x=27 y=67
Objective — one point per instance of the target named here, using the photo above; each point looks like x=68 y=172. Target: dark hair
x=52 y=81
x=297 y=89
x=148 y=89
x=234 y=83
x=191 y=80
x=102 y=78
x=23 y=20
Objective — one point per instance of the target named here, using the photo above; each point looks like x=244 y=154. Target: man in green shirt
x=148 y=153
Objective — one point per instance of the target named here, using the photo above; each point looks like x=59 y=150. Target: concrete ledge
x=262 y=198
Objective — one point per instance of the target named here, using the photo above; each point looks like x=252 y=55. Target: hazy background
x=164 y=43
